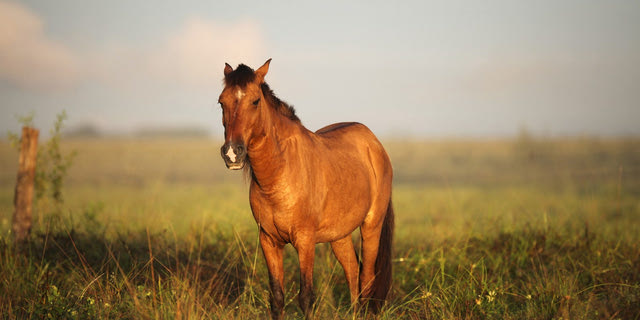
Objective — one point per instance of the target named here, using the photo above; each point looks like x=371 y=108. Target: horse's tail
x=382 y=281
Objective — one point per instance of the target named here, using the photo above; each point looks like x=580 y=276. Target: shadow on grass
x=82 y=274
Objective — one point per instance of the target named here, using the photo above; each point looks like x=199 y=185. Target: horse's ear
x=227 y=69
x=262 y=71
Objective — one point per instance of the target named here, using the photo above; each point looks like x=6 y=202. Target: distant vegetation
x=527 y=228
x=92 y=131
x=83 y=131
x=161 y=132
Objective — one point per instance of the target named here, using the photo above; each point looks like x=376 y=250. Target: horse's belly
x=338 y=223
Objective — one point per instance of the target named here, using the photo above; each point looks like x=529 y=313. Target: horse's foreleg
x=273 y=255
x=306 y=256
x=346 y=255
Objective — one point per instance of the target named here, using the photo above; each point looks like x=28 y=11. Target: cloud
x=28 y=58
x=192 y=56
x=195 y=54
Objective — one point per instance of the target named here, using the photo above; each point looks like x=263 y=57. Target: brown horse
x=308 y=188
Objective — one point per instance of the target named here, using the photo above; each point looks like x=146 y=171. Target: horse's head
x=241 y=101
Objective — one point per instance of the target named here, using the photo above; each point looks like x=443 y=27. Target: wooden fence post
x=23 y=197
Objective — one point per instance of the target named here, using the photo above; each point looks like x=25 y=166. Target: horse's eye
x=255 y=103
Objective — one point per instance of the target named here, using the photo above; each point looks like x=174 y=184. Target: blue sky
x=421 y=68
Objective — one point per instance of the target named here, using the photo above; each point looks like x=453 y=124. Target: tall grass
x=524 y=229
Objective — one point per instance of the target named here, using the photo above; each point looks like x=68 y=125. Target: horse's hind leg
x=375 y=275
x=370 y=233
x=346 y=255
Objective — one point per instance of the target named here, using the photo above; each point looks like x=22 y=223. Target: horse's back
x=346 y=131
x=336 y=127
x=354 y=137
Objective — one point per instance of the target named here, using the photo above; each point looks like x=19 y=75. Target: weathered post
x=23 y=197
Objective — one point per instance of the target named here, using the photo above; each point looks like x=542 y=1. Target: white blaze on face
x=239 y=94
x=231 y=154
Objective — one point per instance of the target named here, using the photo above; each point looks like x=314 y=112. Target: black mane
x=244 y=75
x=282 y=107
x=240 y=77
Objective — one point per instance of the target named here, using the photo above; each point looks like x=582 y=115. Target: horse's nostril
x=240 y=150
x=223 y=149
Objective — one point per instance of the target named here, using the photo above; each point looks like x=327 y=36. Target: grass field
x=485 y=229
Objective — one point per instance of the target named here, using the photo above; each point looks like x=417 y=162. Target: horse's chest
x=283 y=222
x=276 y=218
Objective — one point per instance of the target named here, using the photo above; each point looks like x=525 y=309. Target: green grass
x=150 y=228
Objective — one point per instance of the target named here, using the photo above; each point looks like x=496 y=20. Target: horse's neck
x=268 y=158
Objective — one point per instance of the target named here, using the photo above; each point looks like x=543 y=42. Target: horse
x=309 y=187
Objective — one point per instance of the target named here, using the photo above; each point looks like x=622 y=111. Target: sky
x=404 y=68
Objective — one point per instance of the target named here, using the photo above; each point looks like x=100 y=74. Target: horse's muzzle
x=234 y=155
